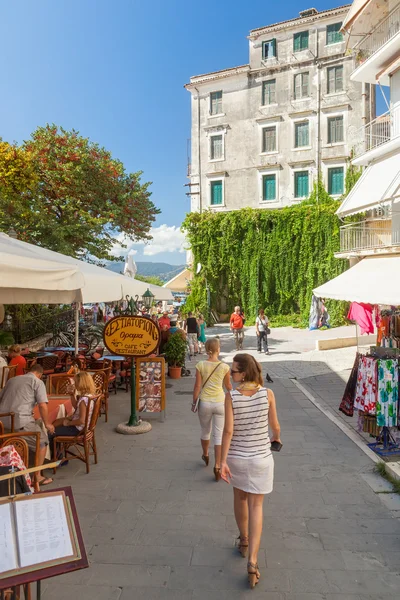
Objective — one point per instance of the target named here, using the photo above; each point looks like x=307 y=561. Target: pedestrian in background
x=95 y=312
x=262 y=331
x=202 y=332
x=212 y=376
x=246 y=460
x=237 y=323
x=192 y=330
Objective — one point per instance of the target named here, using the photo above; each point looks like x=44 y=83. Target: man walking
x=192 y=329
x=95 y=311
x=236 y=323
x=262 y=331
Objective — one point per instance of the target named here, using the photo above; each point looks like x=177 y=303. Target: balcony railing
x=378 y=37
x=379 y=131
x=366 y=235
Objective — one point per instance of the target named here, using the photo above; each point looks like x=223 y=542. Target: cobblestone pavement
x=157 y=526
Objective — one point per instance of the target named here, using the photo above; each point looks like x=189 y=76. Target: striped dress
x=250 y=458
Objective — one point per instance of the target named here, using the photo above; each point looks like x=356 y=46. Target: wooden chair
x=11 y=415
x=49 y=364
x=85 y=442
x=101 y=381
x=57 y=382
x=60 y=359
x=8 y=373
x=17 y=440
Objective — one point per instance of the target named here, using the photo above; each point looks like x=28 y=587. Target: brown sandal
x=217 y=473
x=243 y=545
x=253 y=574
x=206 y=459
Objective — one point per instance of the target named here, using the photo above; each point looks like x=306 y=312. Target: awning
x=374 y=280
x=179 y=283
x=378 y=185
x=356 y=9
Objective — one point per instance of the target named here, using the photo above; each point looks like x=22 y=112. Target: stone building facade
x=261 y=132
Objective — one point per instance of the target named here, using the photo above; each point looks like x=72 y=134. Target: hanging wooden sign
x=131 y=336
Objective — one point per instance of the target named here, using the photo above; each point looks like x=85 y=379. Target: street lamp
x=148 y=298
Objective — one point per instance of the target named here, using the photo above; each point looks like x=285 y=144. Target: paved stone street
x=157 y=526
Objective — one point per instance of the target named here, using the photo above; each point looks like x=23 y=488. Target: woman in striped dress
x=247 y=462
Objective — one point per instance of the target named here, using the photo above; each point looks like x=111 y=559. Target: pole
x=77 y=309
x=133 y=418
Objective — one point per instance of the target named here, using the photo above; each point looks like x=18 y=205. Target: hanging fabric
x=366 y=388
x=388 y=396
x=347 y=403
x=362 y=314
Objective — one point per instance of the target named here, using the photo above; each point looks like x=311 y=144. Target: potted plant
x=175 y=352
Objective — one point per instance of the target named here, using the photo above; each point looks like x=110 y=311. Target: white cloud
x=166 y=238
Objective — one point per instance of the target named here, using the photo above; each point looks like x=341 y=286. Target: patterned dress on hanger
x=365 y=396
x=388 y=394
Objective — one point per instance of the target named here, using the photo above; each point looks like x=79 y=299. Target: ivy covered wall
x=266 y=258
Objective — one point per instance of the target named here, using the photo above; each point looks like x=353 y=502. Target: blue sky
x=115 y=70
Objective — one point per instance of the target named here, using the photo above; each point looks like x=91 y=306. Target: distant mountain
x=162 y=270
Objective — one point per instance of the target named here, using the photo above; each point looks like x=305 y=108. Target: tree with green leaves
x=77 y=198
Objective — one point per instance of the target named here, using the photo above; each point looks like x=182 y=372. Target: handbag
x=195 y=404
x=268 y=331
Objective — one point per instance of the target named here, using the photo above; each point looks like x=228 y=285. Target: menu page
x=8 y=554
x=42 y=530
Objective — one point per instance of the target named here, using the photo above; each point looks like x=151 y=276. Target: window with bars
x=301 y=184
x=301 y=85
x=333 y=34
x=335 y=79
x=269 y=92
x=216 y=147
x=216 y=189
x=336 y=181
x=301 y=134
x=335 y=130
x=300 y=41
x=269 y=187
x=269 y=49
x=269 y=139
x=216 y=103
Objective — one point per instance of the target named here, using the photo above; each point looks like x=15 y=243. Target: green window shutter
x=216 y=192
x=300 y=41
x=301 y=135
x=216 y=103
x=339 y=78
x=269 y=187
x=297 y=86
x=304 y=85
x=336 y=181
x=301 y=184
x=333 y=34
x=216 y=147
x=269 y=139
x=273 y=47
x=335 y=130
x=268 y=92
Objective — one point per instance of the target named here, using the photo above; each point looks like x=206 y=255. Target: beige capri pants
x=212 y=417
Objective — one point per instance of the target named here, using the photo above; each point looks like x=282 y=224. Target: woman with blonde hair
x=84 y=389
x=246 y=461
x=212 y=376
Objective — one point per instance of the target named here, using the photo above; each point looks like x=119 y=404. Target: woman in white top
x=261 y=331
x=211 y=377
x=247 y=462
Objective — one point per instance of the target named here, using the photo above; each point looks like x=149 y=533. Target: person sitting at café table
x=14 y=354
x=20 y=395
x=164 y=321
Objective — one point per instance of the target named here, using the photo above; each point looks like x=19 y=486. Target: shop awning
x=379 y=184
x=374 y=280
x=355 y=10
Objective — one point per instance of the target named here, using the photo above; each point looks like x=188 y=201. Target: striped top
x=250 y=437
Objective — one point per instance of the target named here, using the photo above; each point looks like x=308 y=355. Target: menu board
x=150 y=385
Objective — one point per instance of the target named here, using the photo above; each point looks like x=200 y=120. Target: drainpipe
x=318 y=161
x=199 y=146
x=364 y=104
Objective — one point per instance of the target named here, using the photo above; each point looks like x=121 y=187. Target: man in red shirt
x=236 y=323
x=14 y=354
x=164 y=322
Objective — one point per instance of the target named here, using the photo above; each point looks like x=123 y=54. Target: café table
x=59 y=406
x=62 y=349
x=112 y=357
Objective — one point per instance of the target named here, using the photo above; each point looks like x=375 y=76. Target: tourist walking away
x=246 y=460
x=202 y=332
x=212 y=376
x=95 y=311
x=262 y=331
x=192 y=330
x=237 y=323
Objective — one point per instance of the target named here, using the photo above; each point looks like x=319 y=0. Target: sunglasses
x=234 y=372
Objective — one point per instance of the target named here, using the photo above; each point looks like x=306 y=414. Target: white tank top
x=250 y=437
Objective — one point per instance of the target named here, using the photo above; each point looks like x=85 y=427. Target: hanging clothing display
x=347 y=403
x=362 y=315
x=366 y=388
x=388 y=396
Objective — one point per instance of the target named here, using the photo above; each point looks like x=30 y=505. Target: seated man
x=20 y=396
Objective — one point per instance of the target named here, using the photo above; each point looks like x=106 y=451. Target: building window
x=269 y=92
x=269 y=49
x=269 y=187
x=216 y=103
x=301 y=134
x=333 y=35
x=335 y=79
x=216 y=147
x=301 y=88
x=300 y=41
x=216 y=197
x=301 y=184
x=335 y=130
x=269 y=139
x=336 y=181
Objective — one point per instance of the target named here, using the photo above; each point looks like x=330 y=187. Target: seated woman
x=15 y=358
x=84 y=389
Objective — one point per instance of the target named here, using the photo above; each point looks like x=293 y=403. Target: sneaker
x=267 y=352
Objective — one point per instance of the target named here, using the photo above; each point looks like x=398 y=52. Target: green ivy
x=266 y=258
